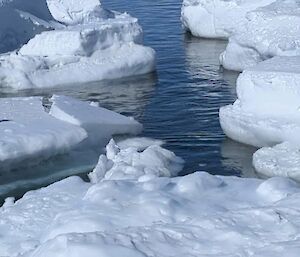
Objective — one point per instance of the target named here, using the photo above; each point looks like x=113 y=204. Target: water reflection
x=239 y=157
x=128 y=96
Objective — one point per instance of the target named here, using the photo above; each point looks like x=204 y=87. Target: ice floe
x=280 y=160
x=29 y=132
x=136 y=158
x=101 y=124
x=272 y=30
x=266 y=114
x=91 y=44
x=217 y=18
x=194 y=215
x=267 y=110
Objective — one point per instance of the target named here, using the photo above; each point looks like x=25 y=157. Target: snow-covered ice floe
x=91 y=44
x=267 y=109
x=28 y=131
x=280 y=160
x=147 y=215
x=272 y=30
x=217 y=18
x=100 y=124
x=267 y=114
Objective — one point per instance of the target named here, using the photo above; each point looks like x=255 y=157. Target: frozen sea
x=178 y=104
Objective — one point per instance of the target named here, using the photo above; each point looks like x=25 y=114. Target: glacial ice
x=90 y=44
x=217 y=18
x=194 y=215
x=272 y=30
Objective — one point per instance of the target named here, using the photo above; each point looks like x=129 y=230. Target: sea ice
x=136 y=159
x=270 y=31
x=267 y=110
x=101 y=124
x=194 y=215
x=93 y=44
x=280 y=160
x=217 y=18
x=27 y=131
x=266 y=114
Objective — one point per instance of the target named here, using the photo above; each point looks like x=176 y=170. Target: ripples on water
x=178 y=104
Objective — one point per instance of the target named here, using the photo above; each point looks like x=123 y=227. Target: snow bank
x=195 y=215
x=217 y=18
x=267 y=110
x=101 y=124
x=27 y=131
x=270 y=31
x=280 y=160
x=92 y=44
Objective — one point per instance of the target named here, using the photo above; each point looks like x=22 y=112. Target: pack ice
x=272 y=30
x=29 y=132
x=217 y=18
x=83 y=43
x=143 y=214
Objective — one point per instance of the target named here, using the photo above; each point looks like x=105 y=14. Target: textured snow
x=267 y=110
x=27 y=131
x=280 y=160
x=270 y=31
x=217 y=18
x=93 y=44
x=194 y=215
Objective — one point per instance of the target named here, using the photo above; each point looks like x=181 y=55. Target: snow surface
x=270 y=31
x=280 y=160
x=29 y=132
x=217 y=18
x=92 y=44
x=194 y=215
